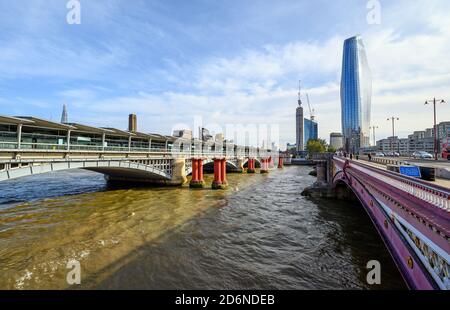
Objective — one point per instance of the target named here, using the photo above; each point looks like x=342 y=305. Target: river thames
x=259 y=234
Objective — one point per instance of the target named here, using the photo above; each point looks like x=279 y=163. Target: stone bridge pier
x=323 y=187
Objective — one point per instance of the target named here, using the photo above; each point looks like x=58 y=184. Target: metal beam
x=68 y=140
x=19 y=136
x=103 y=141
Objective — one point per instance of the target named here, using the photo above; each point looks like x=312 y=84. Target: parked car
x=379 y=154
x=393 y=154
x=422 y=155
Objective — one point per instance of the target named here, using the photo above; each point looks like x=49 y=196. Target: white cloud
x=408 y=55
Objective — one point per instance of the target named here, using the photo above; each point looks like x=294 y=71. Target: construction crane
x=311 y=111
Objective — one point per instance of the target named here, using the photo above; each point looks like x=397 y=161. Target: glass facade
x=356 y=95
x=311 y=130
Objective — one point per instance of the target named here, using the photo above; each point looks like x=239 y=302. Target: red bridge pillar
x=251 y=165
x=265 y=165
x=197 y=174
x=220 y=174
x=280 y=162
x=223 y=173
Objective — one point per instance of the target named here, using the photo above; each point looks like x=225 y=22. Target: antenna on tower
x=300 y=93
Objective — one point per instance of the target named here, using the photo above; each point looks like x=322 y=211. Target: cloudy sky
x=229 y=62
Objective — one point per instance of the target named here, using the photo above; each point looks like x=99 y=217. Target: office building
x=336 y=140
x=311 y=130
x=299 y=125
x=183 y=133
x=64 y=116
x=356 y=94
x=417 y=141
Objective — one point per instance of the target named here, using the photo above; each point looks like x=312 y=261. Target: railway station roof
x=152 y=136
x=119 y=132
x=89 y=129
x=9 y=120
x=36 y=122
x=39 y=122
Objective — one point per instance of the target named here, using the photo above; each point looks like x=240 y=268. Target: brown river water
x=259 y=234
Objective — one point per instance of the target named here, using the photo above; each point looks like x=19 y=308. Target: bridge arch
x=257 y=163
x=120 y=170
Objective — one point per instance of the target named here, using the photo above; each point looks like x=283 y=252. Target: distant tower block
x=132 y=123
x=64 y=117
x=299 y=122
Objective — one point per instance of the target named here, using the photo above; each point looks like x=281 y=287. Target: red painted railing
x=435 y=195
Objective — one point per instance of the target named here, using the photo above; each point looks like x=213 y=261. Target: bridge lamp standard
x=374 y=137
x=435 y=125
x=393 y=119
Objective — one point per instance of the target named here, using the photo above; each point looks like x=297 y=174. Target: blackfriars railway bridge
x=30 y=146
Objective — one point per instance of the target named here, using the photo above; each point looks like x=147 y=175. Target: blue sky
x=226 y=61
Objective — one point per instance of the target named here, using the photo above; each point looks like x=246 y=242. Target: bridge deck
x=439 y=181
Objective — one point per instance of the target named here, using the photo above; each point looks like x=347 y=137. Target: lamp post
x=435 y=125
x=393 y=119
x=374 y=138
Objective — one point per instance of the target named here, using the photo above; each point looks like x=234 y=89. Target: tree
x=331 y=149
x=316 y=146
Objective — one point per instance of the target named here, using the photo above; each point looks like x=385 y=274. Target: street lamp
x=374 y=138
x=393 y=119
x=435 y=126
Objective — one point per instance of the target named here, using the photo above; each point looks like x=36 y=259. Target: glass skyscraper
x=356 y=95
x=311 y=130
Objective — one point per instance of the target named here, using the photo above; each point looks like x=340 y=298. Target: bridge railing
x=27 y=146
x=8 y=145
x=433 y=194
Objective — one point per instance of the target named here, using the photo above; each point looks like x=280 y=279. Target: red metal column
x=200 y=171
x=223 y=172
x=280 y=162
x=251 y=165
x=265 y=165
x=217 y=183
x=197 y=174
x=194 y=170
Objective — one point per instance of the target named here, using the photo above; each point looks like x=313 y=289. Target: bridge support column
x=240 y=165
x=265 y=165
x=220 y=170
x=280 y=162
x=321 y=173
x=251 y=165
x=178 y=172
x=197 y=174
x=223 y=173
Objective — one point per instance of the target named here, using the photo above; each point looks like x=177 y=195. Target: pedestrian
x=351 y=156
x=370 y=157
